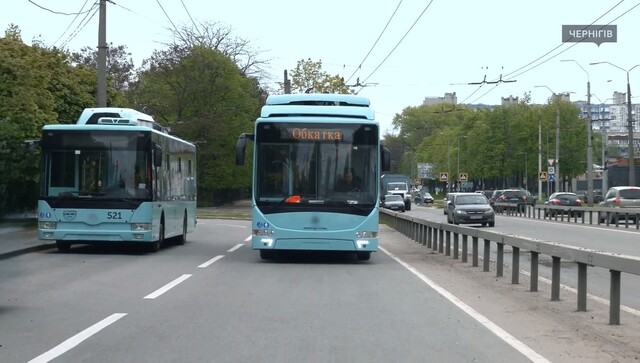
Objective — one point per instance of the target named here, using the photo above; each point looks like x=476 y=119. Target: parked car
x=470 y=208
x=620 y=197
x=423 y=198
x=564 y=199
x=393 y=202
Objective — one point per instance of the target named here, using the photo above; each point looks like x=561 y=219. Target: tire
x=63 y=247
x=363 y=256
x=182 y=239
x=267 y=254
x=156 y=245
x=492 y=224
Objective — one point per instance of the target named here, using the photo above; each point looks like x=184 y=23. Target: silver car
x=620 y=197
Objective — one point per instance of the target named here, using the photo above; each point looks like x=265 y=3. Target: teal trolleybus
x=316 y=168
x=115 y=176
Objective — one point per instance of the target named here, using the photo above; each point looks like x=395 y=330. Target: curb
x=25 y=250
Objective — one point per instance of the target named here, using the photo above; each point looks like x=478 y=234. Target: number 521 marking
x=114 y=215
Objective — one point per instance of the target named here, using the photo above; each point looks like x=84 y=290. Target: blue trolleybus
x=115 y=176
x=316 y=168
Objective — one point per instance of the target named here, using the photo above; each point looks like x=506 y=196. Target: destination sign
x=316 y=134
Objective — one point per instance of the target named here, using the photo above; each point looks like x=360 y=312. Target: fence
x=441 y=237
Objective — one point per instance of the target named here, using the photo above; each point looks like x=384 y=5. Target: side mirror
x=157 y=156
x=241 y=146
x=385 y=159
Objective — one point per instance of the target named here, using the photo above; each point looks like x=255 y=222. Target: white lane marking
x=77 y=339
x=589 y=296
x=570 y=289
x=493 y=327
x=235 y=247
x=247 y=239
x=602 y=227
x=230 y=225
x=167 y=287
x=206 y=264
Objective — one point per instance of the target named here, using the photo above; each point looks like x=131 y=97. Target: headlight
x=263 y=232
x=458 y=211
x=47 y=225
x=139 y=227
x=488 y=211
x=366 y=234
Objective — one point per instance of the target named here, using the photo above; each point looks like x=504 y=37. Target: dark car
x=423 y=198
x=563 y=199
x=470 y=208
x=495 y=195
x=393 y=202
x=521 y=198
x=597 y=195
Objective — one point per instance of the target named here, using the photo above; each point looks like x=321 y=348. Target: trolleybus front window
x=309 y=172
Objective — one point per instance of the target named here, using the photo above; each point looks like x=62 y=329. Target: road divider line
x=208 y=263
x=247 y=239
x=484 y=321
x=72 y=342
x=167 y=287
x=235 y=247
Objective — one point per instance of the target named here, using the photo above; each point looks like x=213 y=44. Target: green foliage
x=205 y=98
x=489 y=144
x=308 y=77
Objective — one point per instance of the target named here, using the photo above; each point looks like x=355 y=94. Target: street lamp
x=632 y=167
x=589 y=143
x=526 y=169
x=605 y=142
x=557 y=163
x=458 y=169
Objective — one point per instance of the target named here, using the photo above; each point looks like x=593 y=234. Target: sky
x=402 y=50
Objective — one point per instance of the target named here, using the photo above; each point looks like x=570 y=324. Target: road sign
x=542 y=176
x=551 y=170
x=552 y=177
x=444 y=177
x=462 y=177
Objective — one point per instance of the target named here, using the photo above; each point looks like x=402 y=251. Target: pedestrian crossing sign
x=444 y=176
x=543 y=175
x=462 y=177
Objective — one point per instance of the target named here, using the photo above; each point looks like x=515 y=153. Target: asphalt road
x=215 y=300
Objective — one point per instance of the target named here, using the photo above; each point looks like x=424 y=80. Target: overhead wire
x=396 y=46
x=522 y=69
x=87 y=18
x=192 y=21
x=375 y=43
x=74 y=20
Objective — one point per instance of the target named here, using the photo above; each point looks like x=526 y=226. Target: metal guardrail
x=441 y=236
x=583 y=215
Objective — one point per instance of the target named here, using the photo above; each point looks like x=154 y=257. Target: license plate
x=475 y=217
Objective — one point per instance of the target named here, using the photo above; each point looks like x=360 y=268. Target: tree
x=205 y=98
x=309 y=77
x=120 y=68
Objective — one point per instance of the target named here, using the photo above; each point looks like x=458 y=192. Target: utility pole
x=589 y=148
x=540 y=160
x=589 y=136
x=102 y=55
x=287 y=83
x=557 y=168
x=632 y=167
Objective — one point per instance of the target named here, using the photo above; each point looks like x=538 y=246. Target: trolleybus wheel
x=182 y=239
x=155 y=245
x=63 y=246
x=363 y=256
x=267 y=254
